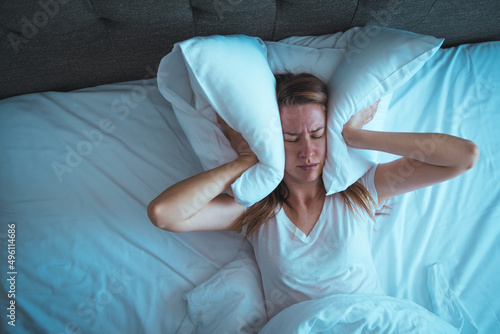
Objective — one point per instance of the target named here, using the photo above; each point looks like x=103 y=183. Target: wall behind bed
x=68 y=44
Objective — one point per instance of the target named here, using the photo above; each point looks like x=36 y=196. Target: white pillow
x=232 y=301
x=230 y=75
x=377 y=61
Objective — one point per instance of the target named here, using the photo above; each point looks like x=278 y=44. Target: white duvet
x=377 y=314
x=356 y=314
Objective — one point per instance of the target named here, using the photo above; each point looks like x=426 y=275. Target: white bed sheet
x=88 y=259
x=87 y=256
x=456 y=223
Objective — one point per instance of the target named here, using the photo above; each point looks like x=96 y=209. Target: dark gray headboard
x=69 y=44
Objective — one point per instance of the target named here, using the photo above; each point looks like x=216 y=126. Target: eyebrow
x=296 y=134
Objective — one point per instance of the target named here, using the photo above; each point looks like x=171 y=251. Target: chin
x=306 y=178
x=314 y=178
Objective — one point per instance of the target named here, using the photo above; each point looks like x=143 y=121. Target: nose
x=307 y=149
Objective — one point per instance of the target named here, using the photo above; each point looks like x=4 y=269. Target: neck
x=303 y=194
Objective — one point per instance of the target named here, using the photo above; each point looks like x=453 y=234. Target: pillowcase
x=229 y=75
x=232 y=301
x=376 y=62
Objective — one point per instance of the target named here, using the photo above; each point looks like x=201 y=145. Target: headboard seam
x=273 y=36
x=354 y=13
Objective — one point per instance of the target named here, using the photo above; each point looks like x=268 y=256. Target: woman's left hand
x=357 y=121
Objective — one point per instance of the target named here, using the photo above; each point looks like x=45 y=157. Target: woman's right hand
x=198 y=202
x=237 y=141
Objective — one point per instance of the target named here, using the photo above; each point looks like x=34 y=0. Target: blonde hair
x=296 y=89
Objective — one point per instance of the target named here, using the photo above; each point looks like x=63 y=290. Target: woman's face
x=304 y=129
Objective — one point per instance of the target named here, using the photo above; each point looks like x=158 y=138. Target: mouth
x=308 y=167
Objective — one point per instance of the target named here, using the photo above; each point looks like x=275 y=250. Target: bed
x=87 y=140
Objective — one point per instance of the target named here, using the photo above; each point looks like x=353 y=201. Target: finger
x=220 y=120
x=226 y=129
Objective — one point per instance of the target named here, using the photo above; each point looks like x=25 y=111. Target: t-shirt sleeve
x=368 y=180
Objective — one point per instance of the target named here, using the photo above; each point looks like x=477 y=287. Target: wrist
x=350 y=135
x=248 y=160
x=359 y=138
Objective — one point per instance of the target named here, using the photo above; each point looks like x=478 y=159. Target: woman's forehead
x=310 y=116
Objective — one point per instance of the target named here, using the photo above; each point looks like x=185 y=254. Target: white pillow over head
x=231 y=74
x=228 y=75
x=377 y=62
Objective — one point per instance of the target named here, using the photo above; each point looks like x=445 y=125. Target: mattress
x=79 y=168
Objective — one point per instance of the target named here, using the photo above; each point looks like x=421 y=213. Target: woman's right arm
x=197 y=203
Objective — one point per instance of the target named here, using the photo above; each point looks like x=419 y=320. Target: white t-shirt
x=335 y=258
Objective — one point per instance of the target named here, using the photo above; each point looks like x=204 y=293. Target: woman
x=317 y=245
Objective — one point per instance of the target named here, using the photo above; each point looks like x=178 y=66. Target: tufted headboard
x=68 y=44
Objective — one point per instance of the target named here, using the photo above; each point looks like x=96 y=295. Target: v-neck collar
x=297 y=231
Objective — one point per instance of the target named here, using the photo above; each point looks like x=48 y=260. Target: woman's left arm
x=426 y=158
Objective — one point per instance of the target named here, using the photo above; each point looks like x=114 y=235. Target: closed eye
x=292 y=137
x=296 y=139
x=318 y=133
